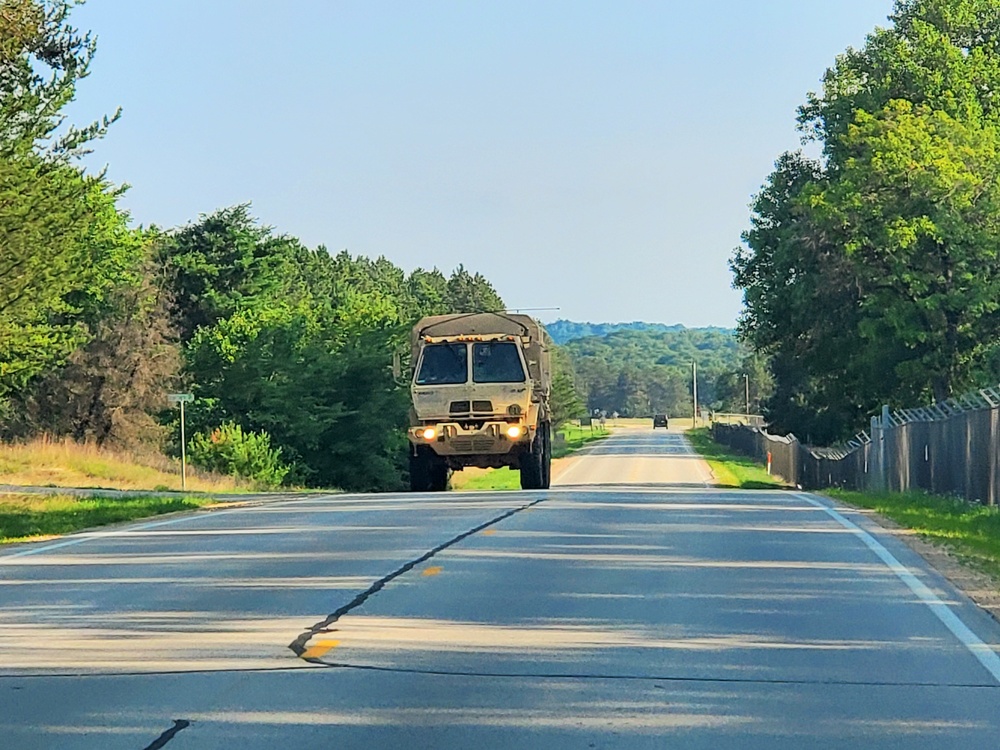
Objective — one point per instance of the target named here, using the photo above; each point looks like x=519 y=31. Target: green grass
x=508 y=479
x=24 y=517
x=492 y=479
x=731 y=470
x=971 y=531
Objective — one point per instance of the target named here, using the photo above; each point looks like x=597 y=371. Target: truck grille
x=475 y=407
x=472 y=444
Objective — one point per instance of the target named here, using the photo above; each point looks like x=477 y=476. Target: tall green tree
x=871 y=277
x=467 y=292
x=42 y=59
x=224 y=262
x=64 y=246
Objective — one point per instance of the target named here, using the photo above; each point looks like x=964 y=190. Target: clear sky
x=598 y=157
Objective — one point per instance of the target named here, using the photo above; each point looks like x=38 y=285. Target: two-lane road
x=630 y=606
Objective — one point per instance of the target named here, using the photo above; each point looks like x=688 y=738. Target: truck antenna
x=530 y=309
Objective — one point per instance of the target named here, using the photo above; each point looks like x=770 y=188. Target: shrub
x=248 y=455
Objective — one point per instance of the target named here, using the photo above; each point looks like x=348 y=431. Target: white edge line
x=983 y=653
x=87 y=536
x=704 y=467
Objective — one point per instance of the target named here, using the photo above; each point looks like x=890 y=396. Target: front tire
x=536 y=463
x=419 y=471
x=428 y=471
x=547 y=458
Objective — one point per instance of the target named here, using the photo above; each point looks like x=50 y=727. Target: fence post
x=876 y=474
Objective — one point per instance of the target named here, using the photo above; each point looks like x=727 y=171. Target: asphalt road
x=629 y=607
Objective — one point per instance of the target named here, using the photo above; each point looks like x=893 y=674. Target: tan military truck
x=480 y=386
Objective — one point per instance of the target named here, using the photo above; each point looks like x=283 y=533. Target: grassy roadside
x=506 y=479
x=64 y=463
x=30 y=517
x=731 y=470
x=970 y=531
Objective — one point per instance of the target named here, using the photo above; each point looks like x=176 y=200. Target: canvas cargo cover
x=477 y=324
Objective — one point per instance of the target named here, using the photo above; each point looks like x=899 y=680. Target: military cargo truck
x=479 y=386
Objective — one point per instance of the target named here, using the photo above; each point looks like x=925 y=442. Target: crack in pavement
x=655 y=678
x=164 y=738
x=298 y=646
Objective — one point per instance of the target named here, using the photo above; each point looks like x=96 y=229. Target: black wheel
x=419 y=470
x=438 y=476
x=428 y=471
x=547 y=457
x=532 y=462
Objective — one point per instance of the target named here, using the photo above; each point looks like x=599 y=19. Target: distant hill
x=638 y=369
x=562 y=331
x=714 y=349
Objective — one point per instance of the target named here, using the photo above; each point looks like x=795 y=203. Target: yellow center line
x=432 y=571
x=489 y=532
x=315 y=652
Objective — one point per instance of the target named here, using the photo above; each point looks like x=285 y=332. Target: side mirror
x=397 y=366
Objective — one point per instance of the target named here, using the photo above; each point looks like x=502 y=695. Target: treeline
x=647 y=369
x=286 y=348
x=872 y=275
x=296 y=344
x=563 y=331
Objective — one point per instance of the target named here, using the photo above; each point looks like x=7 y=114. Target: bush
x=248 y=455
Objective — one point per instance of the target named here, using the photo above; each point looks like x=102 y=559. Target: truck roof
x=477 y=324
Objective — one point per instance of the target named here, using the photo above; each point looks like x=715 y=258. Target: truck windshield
x=443 y=364
x=496 y=362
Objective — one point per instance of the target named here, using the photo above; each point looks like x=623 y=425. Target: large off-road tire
x=547 y=458
x=419 y=470
x=438 y=475
x=535 y=463
x=428 y=471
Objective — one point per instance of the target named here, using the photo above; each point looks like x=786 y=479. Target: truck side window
x=496 y=362
x=443 y=364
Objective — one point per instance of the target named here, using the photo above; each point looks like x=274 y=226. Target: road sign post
x=182 y=398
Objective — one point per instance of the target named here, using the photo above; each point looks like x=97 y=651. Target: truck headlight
x=429 y=434
x=514 y=432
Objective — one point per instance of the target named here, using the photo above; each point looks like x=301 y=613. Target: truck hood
x=442 y=403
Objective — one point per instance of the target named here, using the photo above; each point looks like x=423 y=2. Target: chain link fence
x=950 y=448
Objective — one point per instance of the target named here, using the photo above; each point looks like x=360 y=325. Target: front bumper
x=452 y=439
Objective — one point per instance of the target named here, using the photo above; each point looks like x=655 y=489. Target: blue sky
x=598 y=157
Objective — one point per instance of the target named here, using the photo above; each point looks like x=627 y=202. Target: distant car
x=660 y=420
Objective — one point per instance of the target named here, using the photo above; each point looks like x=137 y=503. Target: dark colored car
x=660 y=420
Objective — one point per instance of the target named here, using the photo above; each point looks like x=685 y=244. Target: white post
x=183 y=453
x=746 y=381
x=694 y=389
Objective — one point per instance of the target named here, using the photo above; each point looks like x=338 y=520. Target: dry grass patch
x=64 y=463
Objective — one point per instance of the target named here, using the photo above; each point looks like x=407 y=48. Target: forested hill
x=711 y=348
x=646 y=368
x=563 y=331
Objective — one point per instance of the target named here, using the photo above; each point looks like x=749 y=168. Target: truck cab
x=479 y=397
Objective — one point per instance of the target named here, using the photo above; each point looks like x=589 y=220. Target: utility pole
x=746 y=382
x=694 y=391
